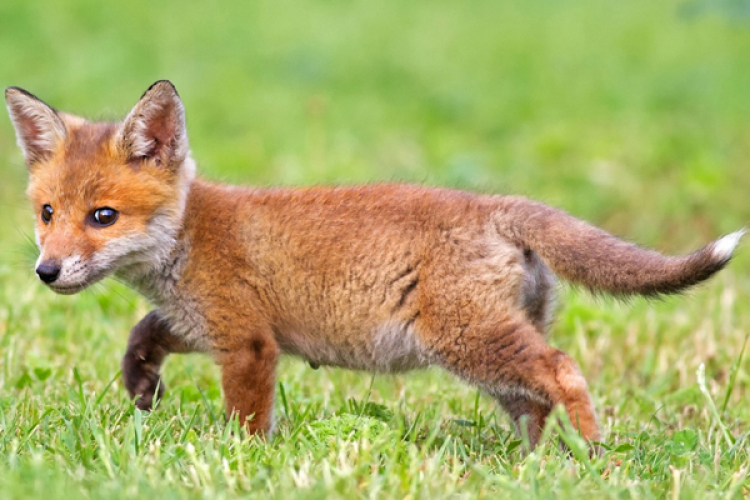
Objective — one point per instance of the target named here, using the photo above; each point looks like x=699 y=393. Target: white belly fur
x=391 y=347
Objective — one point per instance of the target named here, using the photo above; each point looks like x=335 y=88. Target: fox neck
x=156 y=280
x=155 y=271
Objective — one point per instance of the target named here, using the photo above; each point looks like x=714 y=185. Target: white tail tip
x=723 y=248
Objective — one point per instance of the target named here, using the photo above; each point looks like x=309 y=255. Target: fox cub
x=378 y=277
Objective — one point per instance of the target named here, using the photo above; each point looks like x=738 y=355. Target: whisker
x=110 y=289
x=20 y=208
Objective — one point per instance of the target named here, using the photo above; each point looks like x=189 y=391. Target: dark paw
x=142 y=381
x=146 y=400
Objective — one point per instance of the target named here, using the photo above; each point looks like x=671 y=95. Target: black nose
x=48 y=271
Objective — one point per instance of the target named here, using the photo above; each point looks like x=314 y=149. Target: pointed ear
x=39 y=129
x=155 y=128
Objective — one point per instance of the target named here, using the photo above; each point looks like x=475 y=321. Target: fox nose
x=48 y=271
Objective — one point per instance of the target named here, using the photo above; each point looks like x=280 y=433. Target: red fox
x=385 y=277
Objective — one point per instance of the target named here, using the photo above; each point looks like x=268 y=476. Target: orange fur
x=379 y=277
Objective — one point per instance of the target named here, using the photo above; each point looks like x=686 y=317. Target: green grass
x=634 y=115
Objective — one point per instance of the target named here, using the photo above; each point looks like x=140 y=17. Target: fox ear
x=39 y=129
x=155 y=128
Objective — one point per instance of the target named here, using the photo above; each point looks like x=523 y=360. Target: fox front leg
x=151 y=340
x=248 y=377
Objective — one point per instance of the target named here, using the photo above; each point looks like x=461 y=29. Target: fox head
x=106 y=196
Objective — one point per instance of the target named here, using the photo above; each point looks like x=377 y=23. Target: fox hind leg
x=529 y=415
x=512 y=362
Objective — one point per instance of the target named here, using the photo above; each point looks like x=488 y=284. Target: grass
x=634 y=115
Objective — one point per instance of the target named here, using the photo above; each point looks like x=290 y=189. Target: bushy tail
x=584 y=254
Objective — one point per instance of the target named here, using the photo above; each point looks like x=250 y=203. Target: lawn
x=633 y=115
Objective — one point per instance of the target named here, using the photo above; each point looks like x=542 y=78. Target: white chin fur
x=70 y=290
x=723 y=248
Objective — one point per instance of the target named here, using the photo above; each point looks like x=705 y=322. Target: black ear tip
x=162 y=86
x=18 y=90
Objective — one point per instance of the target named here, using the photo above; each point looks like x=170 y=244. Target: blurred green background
x=633 y=115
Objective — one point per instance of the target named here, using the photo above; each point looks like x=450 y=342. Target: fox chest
x=187 y=321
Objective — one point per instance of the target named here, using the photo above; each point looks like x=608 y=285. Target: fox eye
x=47 y=213
x=105 y=216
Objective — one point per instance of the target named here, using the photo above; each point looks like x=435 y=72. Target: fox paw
x=142 y=381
